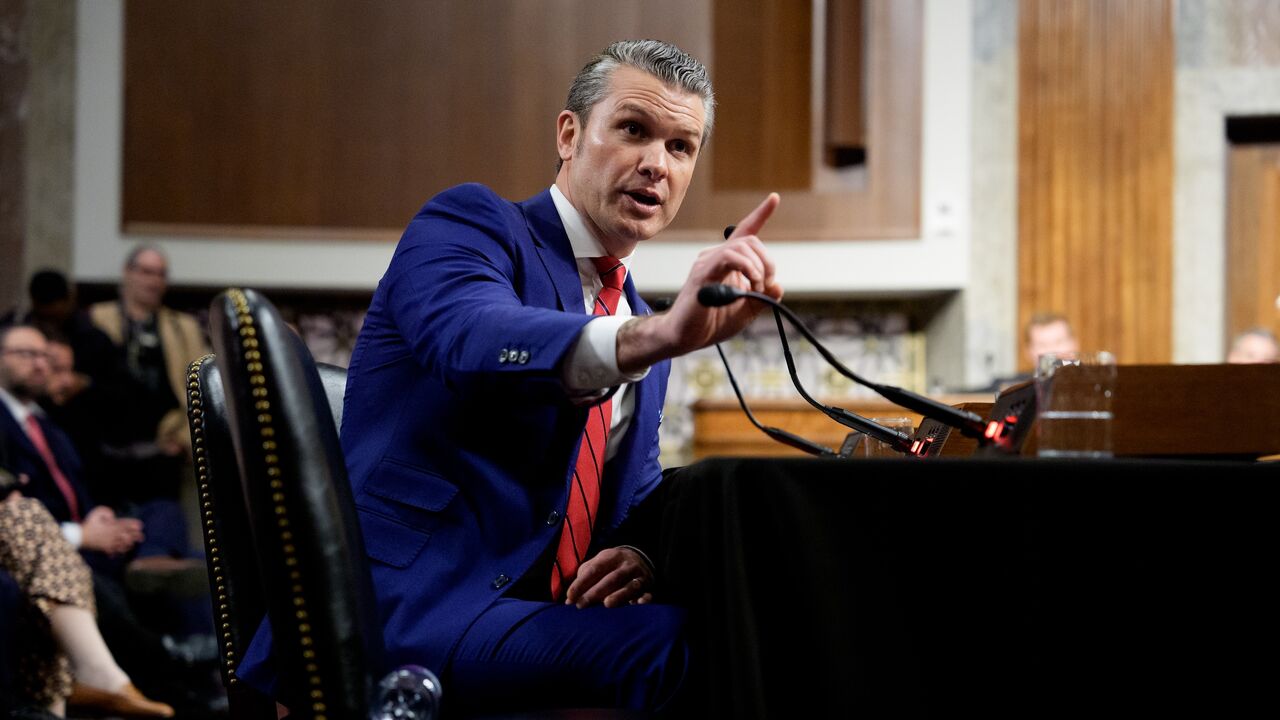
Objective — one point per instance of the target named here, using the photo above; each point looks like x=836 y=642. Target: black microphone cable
x=777 y=434
x=968 y=423
x=895 y=439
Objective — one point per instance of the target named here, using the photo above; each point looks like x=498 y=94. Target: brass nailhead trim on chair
x=195 y=415
x=266 y=430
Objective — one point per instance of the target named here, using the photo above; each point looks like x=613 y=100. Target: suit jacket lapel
x=554 y=250
x=10 y=426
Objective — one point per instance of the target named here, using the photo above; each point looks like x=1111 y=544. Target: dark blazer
x=459 y=438
x=23 y=458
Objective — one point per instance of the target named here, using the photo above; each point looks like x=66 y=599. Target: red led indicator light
x=1011 y=419
x=915 y=447
x=993 y=427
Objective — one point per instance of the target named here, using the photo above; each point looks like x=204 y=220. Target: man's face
x=62 y=373
x=1054 y=337
x=1253 y=349
x=146 y=280
x=626 y=171
x=24 y=363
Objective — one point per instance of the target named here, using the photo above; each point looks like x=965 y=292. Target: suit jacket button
x=553 y=518
x=502 y=356
x=499 y=581
x=524 y=357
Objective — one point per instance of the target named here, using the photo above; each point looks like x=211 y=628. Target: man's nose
x=653 y=162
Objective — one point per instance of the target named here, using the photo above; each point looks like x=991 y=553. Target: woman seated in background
x=65 y=660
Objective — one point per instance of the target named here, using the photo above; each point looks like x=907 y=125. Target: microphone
x=718 y=295
x=777 y=434
x=968 y=423
x=899 y=441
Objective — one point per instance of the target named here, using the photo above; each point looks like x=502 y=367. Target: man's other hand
x=614 y=577
x=740 y=261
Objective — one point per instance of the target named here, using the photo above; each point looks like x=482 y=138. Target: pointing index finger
x=754 y=222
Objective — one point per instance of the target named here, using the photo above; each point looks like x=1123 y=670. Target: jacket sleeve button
x=500 y=581
x=553 y=518
x=524 y=357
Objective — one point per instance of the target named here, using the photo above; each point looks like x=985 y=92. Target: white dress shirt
x=591 y=367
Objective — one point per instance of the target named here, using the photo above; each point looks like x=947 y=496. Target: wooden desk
x=721 y=429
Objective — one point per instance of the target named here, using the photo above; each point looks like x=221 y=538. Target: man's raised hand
x=740 y=261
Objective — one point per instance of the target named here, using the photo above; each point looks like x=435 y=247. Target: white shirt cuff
x=73 y=533
x=592 y=364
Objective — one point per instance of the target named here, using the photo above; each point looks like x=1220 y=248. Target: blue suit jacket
x=459 y=437
x=24 y=459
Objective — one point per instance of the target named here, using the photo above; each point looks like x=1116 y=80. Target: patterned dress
x=50 y=573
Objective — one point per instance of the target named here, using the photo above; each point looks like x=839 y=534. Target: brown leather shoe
x=128 y=702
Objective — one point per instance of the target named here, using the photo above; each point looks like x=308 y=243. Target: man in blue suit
x=504 y=397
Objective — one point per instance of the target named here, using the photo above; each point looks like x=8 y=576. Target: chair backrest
x=238 y=599
x=318 y=592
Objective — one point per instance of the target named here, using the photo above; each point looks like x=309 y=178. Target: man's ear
x=568 y=130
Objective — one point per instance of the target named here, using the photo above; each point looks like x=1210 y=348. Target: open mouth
x=642 y=197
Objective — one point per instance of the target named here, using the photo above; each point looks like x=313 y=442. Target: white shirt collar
x=584 y=242
x=18 y=409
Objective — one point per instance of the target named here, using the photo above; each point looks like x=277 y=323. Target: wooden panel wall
x=1253 y=238
x=768 y=44
x=341 y=114
x=309 y=118
x=844 y=128
x=1095 y=171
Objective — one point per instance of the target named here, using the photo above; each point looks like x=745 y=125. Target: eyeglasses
x=28 y=353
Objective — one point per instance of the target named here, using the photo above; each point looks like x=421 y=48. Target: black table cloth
x=1006 y=587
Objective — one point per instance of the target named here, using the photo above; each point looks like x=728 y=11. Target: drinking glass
x=1074 y=392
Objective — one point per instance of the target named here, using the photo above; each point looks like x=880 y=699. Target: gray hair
x=662 y=60
x=1261 y=332
x=132 y=257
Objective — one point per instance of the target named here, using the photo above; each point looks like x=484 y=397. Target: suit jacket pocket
x=400 y=506
x=390 y=541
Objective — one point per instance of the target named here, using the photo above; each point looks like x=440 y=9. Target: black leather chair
x=238 y=599
x=264 y=430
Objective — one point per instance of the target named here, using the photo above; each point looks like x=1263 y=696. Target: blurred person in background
x=1257 y=345
x=63 y=659
x=37 y=448
x=154 y=344
x=54 y=312
x=1047 y=333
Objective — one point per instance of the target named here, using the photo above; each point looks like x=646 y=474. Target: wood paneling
x=766 y=98
x=1095 y=171
x=720 y=428
x=300 y=118
x=1253 y=238
x=844 y=129
x=888 y=205
x=350 y=115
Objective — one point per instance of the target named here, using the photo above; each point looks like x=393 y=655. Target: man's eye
x=680 y=146
x=631 y=128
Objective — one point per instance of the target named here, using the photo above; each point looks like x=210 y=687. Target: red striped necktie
x=584 y=492
x=36 y=434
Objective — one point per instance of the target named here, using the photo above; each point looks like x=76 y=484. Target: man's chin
x=636 y=231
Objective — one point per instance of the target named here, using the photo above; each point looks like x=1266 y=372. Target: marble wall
x=990 y=302
x=1228 y=63
x=37 y=62
x=14 y=62
x=50 y=134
